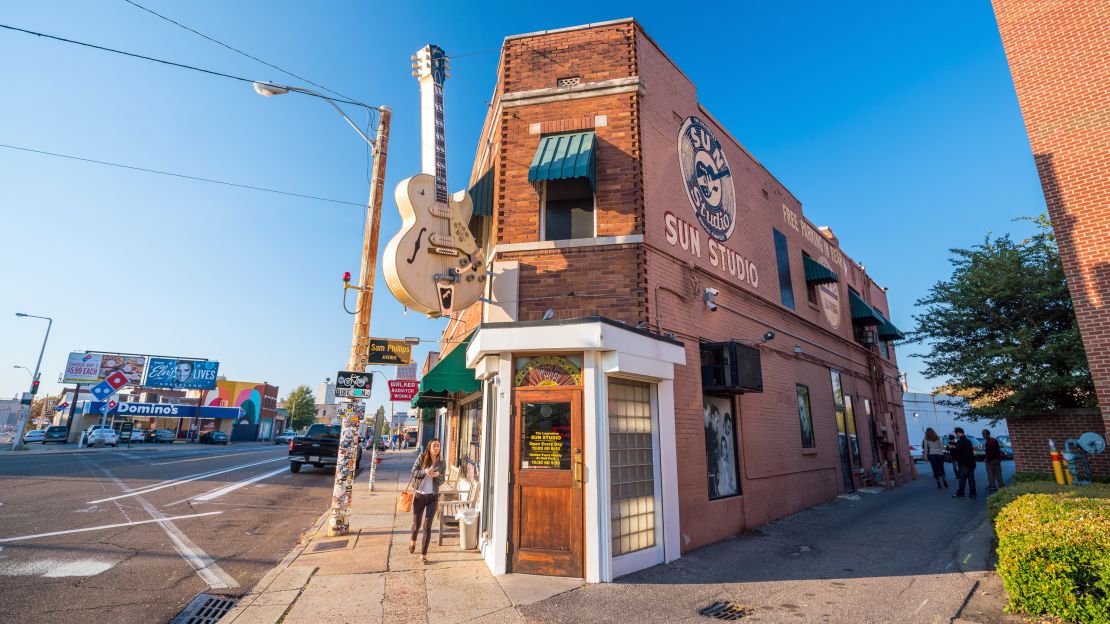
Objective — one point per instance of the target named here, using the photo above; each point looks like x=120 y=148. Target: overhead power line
x=182 y=175
x=234 y=49
x=162 y=61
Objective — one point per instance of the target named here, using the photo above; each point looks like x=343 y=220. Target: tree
x=1003 y=332
x=302 y=407
x=39 y=404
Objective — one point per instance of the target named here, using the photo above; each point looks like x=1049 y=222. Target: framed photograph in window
x=721 y=454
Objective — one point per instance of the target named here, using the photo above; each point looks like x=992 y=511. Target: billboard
x=90 y=368
x=181 y=374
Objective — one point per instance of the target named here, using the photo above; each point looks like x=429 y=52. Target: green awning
x=564 y=156
x=430 y=400
x=817 y=273
x=481 y=194
x=887 y=330
x=862 y=313
x=450 y=375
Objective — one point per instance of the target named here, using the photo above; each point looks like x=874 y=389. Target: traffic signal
x=35 y=386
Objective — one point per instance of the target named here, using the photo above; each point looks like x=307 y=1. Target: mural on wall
x=708 y=179
x=243 y=394
x=722 y=468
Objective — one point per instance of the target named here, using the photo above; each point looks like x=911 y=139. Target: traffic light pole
x=352 y=410
x=17 y=440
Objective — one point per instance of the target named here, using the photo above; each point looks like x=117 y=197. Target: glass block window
x=631 y=467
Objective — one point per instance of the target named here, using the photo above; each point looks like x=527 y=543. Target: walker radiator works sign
x=403 y=389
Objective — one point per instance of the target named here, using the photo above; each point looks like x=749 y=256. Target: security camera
x=708 y=297
x=769 y=336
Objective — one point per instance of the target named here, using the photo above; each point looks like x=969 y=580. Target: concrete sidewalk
x=369 y=575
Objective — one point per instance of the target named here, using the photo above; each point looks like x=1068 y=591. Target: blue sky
x=894 y=123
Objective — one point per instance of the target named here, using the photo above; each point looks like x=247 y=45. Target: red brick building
x=1059 y=54
x=670 y=353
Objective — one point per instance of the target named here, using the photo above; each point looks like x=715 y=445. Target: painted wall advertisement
x=90 y=368
x=181 y=374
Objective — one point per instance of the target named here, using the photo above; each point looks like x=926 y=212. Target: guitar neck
x=433 y=142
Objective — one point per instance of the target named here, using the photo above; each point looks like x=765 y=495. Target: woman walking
x=934 y=449
x=428 y=474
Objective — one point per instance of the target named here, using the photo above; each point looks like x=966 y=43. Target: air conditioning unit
x=731 y=368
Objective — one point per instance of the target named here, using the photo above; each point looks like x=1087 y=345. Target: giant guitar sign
x=432 y=265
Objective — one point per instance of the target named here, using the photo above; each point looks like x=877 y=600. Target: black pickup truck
x=318 y=447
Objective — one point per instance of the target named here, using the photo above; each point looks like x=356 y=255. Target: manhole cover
x=725 y=611
x=337 y=544
x=205 y=609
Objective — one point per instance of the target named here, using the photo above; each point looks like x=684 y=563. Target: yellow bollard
x=1057 y=463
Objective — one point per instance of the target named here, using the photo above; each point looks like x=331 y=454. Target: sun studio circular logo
x=708 y=179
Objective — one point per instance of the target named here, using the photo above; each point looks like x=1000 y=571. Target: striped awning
x=862 y=312
x=564 y=156
x=481 y=194
x=817 y=273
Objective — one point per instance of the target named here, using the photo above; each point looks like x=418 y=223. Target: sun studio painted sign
x=708 y=182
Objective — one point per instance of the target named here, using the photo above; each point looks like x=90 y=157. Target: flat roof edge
x=537 y=33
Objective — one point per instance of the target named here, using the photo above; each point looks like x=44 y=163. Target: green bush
x=1030 y=477
x=1054 y=549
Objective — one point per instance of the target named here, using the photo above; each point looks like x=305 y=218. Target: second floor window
x=568 y=209
x=786 y=287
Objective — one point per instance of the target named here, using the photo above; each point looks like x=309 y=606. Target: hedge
x=1054 y=549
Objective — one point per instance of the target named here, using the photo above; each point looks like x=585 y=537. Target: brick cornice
x=632 y=84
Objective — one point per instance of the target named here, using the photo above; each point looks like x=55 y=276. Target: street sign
x=25 y=398
x=403 y=389
x=351 y=384
x=387 y=351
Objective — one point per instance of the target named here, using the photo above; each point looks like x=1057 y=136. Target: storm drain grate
x=725 y=611
x=205 y=609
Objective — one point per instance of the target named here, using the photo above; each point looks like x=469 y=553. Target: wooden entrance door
x=546 y=483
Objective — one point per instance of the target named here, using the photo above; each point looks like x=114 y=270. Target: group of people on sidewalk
x=960 y=452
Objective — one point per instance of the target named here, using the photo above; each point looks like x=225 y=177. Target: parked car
x=214 y=437
x=162 y=435
x=57 y=433
x=319 y=447
x=285 y=437
x=102 y=434
x=135 y=435
x=34 y=435
x=980 y=447
x=915 y=453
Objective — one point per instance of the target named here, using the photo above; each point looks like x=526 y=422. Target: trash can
x=468 y=528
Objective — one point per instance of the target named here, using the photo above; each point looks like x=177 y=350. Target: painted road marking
x=179 y=481
x=227 y=489
x=199 y=560
x=53 y=568
x=106 y=526
x=210 y=456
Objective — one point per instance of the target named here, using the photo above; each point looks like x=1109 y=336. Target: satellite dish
x=1092 y=442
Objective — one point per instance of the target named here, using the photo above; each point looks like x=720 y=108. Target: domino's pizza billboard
x=179 y=374
x=90 y=368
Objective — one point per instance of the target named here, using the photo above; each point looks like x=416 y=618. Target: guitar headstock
x=432 y=61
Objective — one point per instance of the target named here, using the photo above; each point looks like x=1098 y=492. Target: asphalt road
x=910 y=555
x=132 y=536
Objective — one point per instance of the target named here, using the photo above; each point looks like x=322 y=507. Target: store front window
x=468 y=440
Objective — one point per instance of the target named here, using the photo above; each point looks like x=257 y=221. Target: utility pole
x=17 y=439
x=352 y=410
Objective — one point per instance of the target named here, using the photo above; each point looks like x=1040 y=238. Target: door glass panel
x=853 y=439
x=545 y=428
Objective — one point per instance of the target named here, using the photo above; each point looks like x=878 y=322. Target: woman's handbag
x=404 y=500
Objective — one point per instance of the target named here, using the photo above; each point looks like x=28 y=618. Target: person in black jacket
x=963 y=453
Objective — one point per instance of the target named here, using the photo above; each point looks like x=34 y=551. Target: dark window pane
x=786 y=287
x=569 y=209
x=546 y=436
x=811 y=289
x=805 y=415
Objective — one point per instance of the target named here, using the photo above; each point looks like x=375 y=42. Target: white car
x=35 y=435
x=103 y=434
x=137 y=435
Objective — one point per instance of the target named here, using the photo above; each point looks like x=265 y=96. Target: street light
x=269 y=89
x=16 y=440
x=26 y=369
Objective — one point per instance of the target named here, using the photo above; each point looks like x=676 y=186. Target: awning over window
x=448 y=376
x=817 y=273
x=481 y=194
x=862 y=313
x=564 y=156
x=887 y=330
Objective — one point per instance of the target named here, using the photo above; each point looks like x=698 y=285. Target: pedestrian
x=992 y=459
x=428 y=474
x=964 y=455
x=934 y=450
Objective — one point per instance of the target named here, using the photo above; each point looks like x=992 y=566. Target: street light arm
x=331 y=103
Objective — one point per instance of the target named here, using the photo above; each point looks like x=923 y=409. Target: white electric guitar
x=433 y=265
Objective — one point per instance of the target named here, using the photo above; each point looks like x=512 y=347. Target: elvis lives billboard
x=180 y=374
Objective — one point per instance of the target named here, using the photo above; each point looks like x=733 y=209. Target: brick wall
x=1029 y=437
x=1059 y=55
